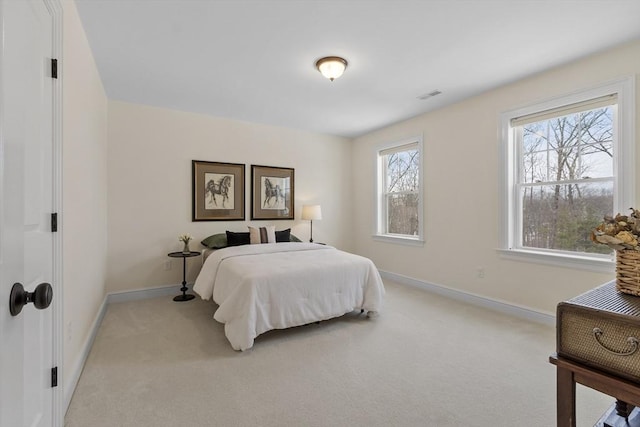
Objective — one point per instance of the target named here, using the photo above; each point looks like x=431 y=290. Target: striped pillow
x=262 y=234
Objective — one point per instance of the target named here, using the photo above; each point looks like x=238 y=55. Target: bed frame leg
x=361 y=310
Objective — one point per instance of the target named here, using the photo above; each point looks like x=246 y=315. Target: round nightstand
x=184 y=255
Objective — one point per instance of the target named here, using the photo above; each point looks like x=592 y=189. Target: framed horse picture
x=272 y=191
x=218 y=191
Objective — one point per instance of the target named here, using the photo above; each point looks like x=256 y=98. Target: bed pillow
x=237 y=239
x=262 y=234
x=283 y=236
x=215 y=241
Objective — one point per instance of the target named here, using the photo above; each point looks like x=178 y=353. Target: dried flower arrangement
x=619 y=233
x=184 y=238
x=622 y=233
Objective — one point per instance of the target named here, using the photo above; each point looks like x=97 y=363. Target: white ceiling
x=254 y=60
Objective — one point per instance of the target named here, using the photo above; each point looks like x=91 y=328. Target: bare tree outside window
x=401 y=192
x=566 y=183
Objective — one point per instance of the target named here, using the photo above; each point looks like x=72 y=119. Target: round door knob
x=41 y=297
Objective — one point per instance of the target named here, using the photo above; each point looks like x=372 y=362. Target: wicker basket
x=628 y=272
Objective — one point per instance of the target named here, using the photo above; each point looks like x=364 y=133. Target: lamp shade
x=311 y=212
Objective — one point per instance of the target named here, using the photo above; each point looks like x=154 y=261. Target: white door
x=26 y=184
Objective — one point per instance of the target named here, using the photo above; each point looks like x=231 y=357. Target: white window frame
x=380 y=219
x=623 y=171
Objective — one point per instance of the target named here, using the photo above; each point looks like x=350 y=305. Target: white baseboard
x=113 y=297
x=70 y=386
x=479 y=300
x=146 y=293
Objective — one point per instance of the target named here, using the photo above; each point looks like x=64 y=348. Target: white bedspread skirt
x=280 y=285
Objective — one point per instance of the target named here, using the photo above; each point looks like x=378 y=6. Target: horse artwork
x=273 y=193
x=218 y=184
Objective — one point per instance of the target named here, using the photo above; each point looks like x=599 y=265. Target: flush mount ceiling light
x=331 y=67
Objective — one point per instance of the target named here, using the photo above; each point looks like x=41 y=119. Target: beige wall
x=462 y=200
x=84 y=213
x=150 y=153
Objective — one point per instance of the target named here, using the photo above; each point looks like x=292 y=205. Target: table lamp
x=311 y=212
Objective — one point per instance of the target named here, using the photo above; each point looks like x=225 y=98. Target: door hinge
x=54 y=222
x=54 y=377
x=54 y=68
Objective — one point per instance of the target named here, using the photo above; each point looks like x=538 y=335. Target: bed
x=261 y=287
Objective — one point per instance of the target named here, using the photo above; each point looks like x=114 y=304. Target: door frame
x=55 y=8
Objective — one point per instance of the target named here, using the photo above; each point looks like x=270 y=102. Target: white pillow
x=262 y=234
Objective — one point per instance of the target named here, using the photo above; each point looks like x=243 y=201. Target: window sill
x=390 y=238
x=581 y=262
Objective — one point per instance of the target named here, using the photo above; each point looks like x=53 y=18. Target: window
x=399 y=210
x=568 y=163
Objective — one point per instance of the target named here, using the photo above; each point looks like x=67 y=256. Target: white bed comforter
x=280 y=285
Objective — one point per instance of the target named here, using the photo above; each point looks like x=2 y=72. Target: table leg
x=623 y=409
x=566 y=398
x=184 y=288
x=613 y=417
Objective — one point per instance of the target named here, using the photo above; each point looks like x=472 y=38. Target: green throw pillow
x=216 y=241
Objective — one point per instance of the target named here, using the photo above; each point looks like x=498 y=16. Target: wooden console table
x=626 y=392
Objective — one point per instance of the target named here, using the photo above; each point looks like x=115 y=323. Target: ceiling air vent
x=429 y=95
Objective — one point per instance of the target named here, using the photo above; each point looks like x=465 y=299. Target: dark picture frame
x=217 y=191
x=272 y=192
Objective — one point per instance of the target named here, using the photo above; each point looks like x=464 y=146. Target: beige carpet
x=426 y=361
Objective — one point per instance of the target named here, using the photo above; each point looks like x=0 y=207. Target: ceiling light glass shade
x=331 y=67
